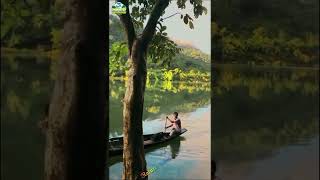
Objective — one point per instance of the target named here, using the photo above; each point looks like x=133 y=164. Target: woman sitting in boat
x=176 y=123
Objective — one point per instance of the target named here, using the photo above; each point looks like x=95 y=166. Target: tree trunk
x=133 y=150
x=76 y=128
x=133 y=154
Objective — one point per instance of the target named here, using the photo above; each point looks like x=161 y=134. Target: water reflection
x=26 y=84
x=175 y=149
x=158 y=101
x=178 y=158
x=25 y=87
x=259 y=111
x=258 y=81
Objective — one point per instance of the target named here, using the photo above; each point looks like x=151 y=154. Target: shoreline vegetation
x=7 y=51
x=155 y=75
x=261 y=47
x=277 y=33
x=239 y=65
x=29 y=52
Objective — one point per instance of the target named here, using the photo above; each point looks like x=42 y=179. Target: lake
x=265 y=123
x=26 y=85
x=187 y=157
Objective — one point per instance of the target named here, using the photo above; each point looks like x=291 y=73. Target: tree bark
x=133 y=150
x=76 y=143
x=133 y=153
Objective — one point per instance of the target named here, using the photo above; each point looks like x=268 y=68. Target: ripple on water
x=186 y=157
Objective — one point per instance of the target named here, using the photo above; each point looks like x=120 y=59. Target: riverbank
x=24 y=52
x=236 y=65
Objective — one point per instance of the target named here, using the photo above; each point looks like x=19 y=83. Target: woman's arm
x=172 y=121
x=169 y=126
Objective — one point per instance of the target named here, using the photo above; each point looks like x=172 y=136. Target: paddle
x=165 y=125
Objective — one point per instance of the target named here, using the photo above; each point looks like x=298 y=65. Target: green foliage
x=196 y=54
x=116 y=32
x=141 y=9
x=180 y=75
x=163 y=52
x=190 y=65
x=268 y=32
x=261 y=47
x=169 y=75
x=117 y=59
x=29 y=25
x=296 y=17
x=160 y=98
x=162 y=49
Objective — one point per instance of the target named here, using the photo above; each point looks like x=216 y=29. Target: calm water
x=187 y=157
x=266 y=123
x=26 y=84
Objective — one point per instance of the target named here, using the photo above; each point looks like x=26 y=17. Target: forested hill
x=188 y=58
x=267 y=32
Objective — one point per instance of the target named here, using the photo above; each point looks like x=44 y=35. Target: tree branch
x=170 y=16
x=127 y=22
x=150 y=28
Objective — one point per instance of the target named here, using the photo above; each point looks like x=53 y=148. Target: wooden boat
x=116 y=144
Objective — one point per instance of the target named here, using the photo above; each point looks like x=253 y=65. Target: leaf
x=205 y=10
x=185 y=19
x=189 y=17
x=191 y=25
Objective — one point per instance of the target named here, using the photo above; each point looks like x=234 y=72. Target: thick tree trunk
x=76 y=135
x=133 y=151
x=133 y=154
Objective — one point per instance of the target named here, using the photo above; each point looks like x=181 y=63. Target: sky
x=199 y=37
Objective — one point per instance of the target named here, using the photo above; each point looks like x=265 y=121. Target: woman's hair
x=175 y=113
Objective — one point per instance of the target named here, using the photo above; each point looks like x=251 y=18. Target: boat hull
x=116 y=144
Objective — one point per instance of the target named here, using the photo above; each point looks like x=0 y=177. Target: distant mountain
x=183 y=43
x=189 y=58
